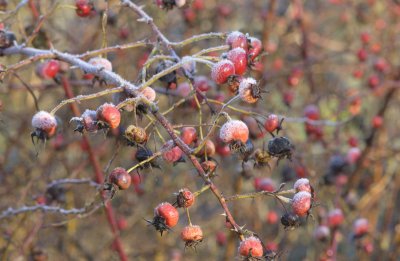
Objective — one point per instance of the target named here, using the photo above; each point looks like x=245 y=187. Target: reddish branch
x=98 y=174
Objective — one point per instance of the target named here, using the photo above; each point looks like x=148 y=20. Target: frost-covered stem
x=263 y=193
x=73 y=181
x=51 y=209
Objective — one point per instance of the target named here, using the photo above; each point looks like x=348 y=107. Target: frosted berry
x=108 y=115
x=149 y=93
x=255 y=48
x=202 y=83
x=222 y=70
x=360 y=227
x=234 y=130
x=249 y=90
x=237 y=39
x=238 y=57
x=303 y=185
x=335 y=218
x=7 y=38
x=322 y=233
x=185 y=198
x=120 y=177
x=101 y=63
x=251 y=247
x=87 y=121
x=353 y=155
x=44 y=124
x=301 y=203
x=192 y=235
x=180 y=3
x=312 y=112
x=264 y=184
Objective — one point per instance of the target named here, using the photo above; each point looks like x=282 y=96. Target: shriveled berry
x=251 y=247
x=237 y=39
x=109 y=114
x=234 y=130
x=120 y=177
x=135 y=135
x=185 y=198
x=222 y=70
x=6 y=39
x=238 y=57
x=301 y=203
x=249 y=91
x=192 y=235
x=168 y=213
x=209 y=166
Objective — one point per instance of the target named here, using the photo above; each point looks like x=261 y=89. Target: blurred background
x=330 y=68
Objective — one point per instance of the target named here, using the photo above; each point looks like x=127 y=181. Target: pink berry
x=360 y=227
x=101 y=63
x=255 y=48
x=353 y=155
x=50 y=69
x=222 y=70
x=234 y=130
x=373 y=81
x=237 y=39
x=362 y=55
x=302 y=184
x=238 y=57
x=202 y=83
x=264 y=184
x=109 y=114
x=322 y=233
x=172 y=155
x=272 y=217
x=45 y=122
x=335 y=217
x=271 y=123
x=377 y=122
x=251 y=246
x=149 y=93
x=312 y=112
x=301 y=203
